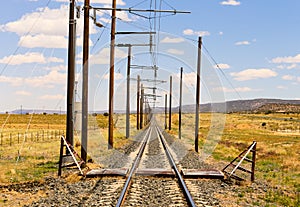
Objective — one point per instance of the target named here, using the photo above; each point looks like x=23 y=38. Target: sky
x=250 y=49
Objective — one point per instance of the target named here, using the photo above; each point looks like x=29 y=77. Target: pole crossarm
x=153 y=81
x=151 y=95
x=126 y=33
x=149 y=87
x=132 y=45
x=143 y=10
x=144 y=67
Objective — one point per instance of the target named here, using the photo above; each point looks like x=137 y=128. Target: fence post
x=253 y=162
x=1 y=138
x=25 y=137
x=43 y=137
x=18 y=138
x=10 y=141
x=37 y=136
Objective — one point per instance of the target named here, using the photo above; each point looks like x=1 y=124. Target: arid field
x=29 y=148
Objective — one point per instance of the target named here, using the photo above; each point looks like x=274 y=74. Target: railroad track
x=141 y=190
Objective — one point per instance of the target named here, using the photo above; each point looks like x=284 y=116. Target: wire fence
x=12 y=138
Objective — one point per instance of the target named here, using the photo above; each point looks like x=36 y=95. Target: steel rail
x=133 y=167
x=180 y=178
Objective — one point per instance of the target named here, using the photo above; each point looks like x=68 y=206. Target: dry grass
x=278 y=149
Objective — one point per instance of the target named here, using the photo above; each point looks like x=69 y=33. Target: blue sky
x=255 y=43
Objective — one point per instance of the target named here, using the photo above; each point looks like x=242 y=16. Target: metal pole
x=180 y=103
x=138 y=104
x=84 y=132
x=128 y=94
x=111 y=77
x=198 y=95
x=166 y=111
x=71 y=74
x=170 y=105
x=253 y=161
x=141 y=104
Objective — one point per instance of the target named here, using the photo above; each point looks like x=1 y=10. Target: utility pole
x=166 y=111
x=198 y=95
x=170 y=105
x=111 y=77
x=128 y=94
x=71 y=74
x=180 y=103
x=84 y=132
x=138 y=104
x=142 y=105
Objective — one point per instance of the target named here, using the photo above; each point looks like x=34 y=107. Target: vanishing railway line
x=154 y=158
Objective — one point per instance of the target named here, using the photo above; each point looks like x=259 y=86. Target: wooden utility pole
x=128 y=94
x=198 y=95
x=71 y=74
x=166 y=111
x=85 y=75
x=180 y=103
x=170 y=105
x=138 y=104
x=111 y=77
x=142 y=107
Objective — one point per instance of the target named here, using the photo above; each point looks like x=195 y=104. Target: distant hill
x=36 y=111
x=253 y=105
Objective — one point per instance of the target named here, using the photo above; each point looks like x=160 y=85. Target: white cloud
x=251 y=74
x=14 y=81
x=55 y=19
x=117 y=76
x=189 y=79
x=172 y=40
x=32 y=57
x=102 y=57
x=288 y=77
x=119 y=2
x=49 y=80
x=281 y=87
x=175 y=51
x=230 y=3
x=54 y=33
x=292 y=66
x=232 y=90
x=104 y=20
x=123 y=15
x=222 y=66
x=192 y=32
x=52 y=97
x=242 y=43
x=221 y=33
x=62 y=68
x=289 y=59
x=43 y=41
x=23 y=93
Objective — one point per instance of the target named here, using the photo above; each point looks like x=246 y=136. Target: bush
x=105 y=114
